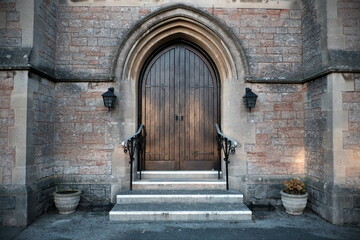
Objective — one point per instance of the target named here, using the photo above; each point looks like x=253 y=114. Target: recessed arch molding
x=180 y=21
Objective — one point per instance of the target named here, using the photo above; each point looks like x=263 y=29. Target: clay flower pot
x=294 y=204
x=66 y=201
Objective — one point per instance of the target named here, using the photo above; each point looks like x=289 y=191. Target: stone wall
x=271 y=39
x=44 y=48
x=16 y=27
x=83 y=150
x=43 y=128
x=279 y=128
x=331 y=145
x=315 y=129
x=80 y=130
x=89 y=36
x=28 y=34
x=351 y=141
x=7 y=150
x=26 y=149
x=311 y=39
x=316 y=126
x=10 y=31
x=51 y=136
x=278 y=151
x=349 y=14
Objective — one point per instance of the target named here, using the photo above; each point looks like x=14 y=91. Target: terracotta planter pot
x=66 y=201
x=294 y=204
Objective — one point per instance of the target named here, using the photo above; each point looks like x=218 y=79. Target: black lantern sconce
x=109 y=98
x=250 y=99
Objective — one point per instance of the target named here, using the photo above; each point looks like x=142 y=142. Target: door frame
x=141 y=162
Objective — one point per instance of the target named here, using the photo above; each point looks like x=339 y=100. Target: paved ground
x=266 y=225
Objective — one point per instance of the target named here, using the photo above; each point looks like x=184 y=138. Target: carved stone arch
x=180 y=21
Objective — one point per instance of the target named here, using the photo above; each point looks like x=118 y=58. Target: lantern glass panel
x=251 y=101
x=250 y=98
x=109 y=98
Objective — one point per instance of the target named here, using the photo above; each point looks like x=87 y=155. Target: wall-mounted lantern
x=109 y=98
x=250 y=99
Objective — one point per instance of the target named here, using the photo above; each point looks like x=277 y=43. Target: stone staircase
x=188 y=196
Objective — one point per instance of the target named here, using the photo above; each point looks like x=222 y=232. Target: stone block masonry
x=88 y=38
x=311 y=37
x=45 y=36
x=7 y=150
x=331 y=145
x=278 y=152
x=279 y=129
x=349 y=14
x=351 y=141
x=10 y=31
x=271 y=39
x=316 y=122
x=315 y=128
x=80 y=130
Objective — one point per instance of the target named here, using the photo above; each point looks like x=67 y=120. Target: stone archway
x=184 y=22
x=180 y=21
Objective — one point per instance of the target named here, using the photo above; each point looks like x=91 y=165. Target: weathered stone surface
x=348 y=12
x=7 y=150
x=312 y=30
x=7 y=203
x=351 y=216
x=279 y=131
x=14 y=56
x=261 y=191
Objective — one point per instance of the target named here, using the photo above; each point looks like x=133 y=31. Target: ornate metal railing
x=131 y=145
x=227 y=145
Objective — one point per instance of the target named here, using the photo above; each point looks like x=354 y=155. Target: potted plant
x=294 y=196
x=66 y=201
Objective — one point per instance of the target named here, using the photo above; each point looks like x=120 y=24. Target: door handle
x=177 y=118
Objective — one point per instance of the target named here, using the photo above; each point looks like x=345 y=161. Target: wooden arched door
x=179 y=108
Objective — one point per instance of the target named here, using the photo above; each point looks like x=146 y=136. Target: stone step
x=180 y=212
x=178 y=184
x=179 y=175
x=133 y=197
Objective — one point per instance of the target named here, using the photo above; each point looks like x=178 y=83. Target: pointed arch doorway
x=179 y=106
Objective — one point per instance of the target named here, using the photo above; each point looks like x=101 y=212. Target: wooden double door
x=179 y=108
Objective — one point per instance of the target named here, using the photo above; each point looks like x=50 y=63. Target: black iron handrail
x=228 y=146
x=131 y=144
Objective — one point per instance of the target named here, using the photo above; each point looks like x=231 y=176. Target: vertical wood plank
x=192 y=103
x=177 y=106
x=166 y=103
x=161 y=122
x=171 y=120
x=152 y=119
x=145 y=113
x=188 y=110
